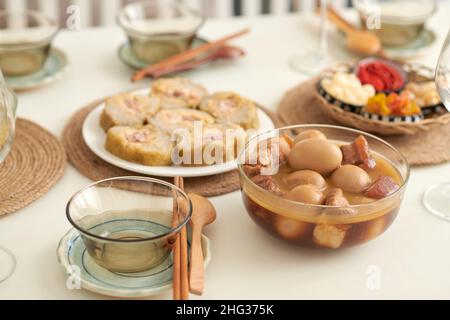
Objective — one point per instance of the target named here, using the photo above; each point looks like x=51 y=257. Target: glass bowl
x=25 y=41
x=127 y=223
x=8 y=107
x=304 y=224
x=159 y=29
x=401 y=21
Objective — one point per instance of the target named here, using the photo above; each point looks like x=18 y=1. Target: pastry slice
x=208 y=144
x=231 y=107
x=178 y=92
x=128 y=110
x=184 y=118
x=146 y=145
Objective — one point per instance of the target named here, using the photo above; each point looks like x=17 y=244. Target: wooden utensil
x=176 y=278
x=180 y=275
x=186 y=55
x=361 y=42
x=224 y=52
x=203 y=213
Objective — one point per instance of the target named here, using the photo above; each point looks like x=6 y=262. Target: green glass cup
x=25 y=41
x=127 y=223
x=157 y=30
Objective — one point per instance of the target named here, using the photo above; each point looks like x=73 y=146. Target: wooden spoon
x=203 y=213
x=361 y=42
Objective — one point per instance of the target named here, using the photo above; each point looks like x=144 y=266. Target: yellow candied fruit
x=393 y=104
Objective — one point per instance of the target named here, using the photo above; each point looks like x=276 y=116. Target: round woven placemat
x=93 y=167
x=35 y=163
x=300 y=106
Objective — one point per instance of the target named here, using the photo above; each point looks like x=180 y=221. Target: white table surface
x=413 y=256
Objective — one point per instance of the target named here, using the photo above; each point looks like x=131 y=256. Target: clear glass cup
x=312 y=62
x=25 y=41
x=8 y=105
x=437 y=197
x=159 y=29
x=128 y=223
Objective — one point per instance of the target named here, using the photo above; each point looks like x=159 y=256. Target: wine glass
x=8 y=104
x=437 y=197
x=313 y=61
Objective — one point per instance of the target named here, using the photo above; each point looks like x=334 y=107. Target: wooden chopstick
x=184 y=257
x=183 y=253
x=186 y=55
x=176 y=278
x=334 y=15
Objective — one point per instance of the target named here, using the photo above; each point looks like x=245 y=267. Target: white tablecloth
x=413 y=256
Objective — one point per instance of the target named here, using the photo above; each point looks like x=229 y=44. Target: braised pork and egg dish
x=325 y=193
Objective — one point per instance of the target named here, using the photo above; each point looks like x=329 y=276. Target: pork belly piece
x=267 y=164
x=336 y=198
x=357 y=153
x=381 y=188
x=271 y=148
x=269 y=155
x=285 y=144
x=268 y=183
x=264 y=181
x=252 y=170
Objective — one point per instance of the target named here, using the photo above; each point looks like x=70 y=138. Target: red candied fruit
x=381 y=75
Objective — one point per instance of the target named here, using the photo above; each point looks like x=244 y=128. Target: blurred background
x=103 y=12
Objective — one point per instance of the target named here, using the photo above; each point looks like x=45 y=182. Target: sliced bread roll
x=178 y=92
x=128 y=110
x=208 y=144
x=231 y=107
x=184 y=118
x=146 y=145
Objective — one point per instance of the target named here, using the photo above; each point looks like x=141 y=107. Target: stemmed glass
x=437 y=197
x=8 y=104
x=312 y=62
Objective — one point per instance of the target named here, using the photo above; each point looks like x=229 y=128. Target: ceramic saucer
x=81 y=268
x=415 y=48
x=52 y=70
x=128 y=57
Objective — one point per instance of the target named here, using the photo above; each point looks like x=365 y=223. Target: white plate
x=95 y=138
